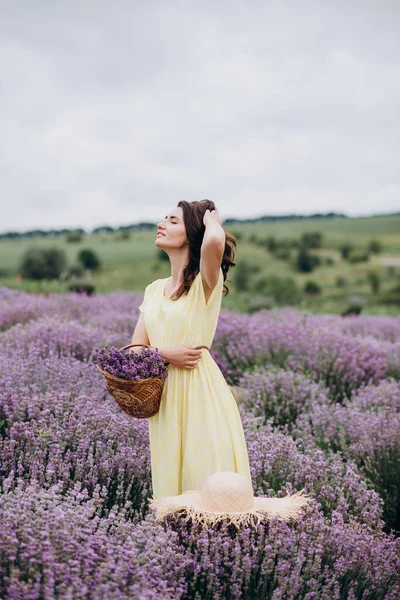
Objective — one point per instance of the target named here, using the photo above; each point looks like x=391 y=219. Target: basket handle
x=130 y=346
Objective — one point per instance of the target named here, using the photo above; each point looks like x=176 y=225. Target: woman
x=198 y=429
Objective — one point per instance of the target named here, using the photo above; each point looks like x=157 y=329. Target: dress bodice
x=188 y=320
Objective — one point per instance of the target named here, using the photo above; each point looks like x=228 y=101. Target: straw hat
x=229 y=495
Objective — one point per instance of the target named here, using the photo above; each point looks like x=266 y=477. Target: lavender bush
x=280 y=465
x=47 y=336
x=280 y=394
x=56 y=544
x=392 y=352
x=70 y=439
x=319 y=411
x=367 y=431
x=290 y=341
x=276 y=560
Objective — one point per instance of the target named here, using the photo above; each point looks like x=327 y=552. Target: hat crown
x=227 y=491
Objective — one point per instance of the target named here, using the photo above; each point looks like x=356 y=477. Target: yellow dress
x=198 y=429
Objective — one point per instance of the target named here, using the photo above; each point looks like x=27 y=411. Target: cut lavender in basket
x=131 y=365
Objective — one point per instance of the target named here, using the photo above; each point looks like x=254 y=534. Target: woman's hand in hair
x=211 y=215
x=182 y=356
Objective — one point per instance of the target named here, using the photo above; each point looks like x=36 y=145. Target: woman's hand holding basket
x=183 y=356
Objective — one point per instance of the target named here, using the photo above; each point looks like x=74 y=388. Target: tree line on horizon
x=149 y=225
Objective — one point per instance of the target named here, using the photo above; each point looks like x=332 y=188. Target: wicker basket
x=140 y=399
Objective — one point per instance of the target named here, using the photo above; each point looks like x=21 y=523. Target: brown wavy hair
x=193 y=213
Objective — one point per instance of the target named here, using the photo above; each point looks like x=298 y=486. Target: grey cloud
x=113 y=112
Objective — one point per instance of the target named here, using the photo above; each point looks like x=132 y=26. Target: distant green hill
x=130 y=260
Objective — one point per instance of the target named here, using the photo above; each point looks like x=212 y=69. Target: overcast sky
x=113 y=111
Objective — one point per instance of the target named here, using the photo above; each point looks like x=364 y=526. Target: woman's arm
x=212 y=250
x=140 y=334
x=183 y=356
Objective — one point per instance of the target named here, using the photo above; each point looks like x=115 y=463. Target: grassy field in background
x=130 y=264
x=336 y=230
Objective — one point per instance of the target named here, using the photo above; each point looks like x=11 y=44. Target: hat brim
x=189 y=505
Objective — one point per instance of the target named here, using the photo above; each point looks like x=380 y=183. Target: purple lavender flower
x=131 y=365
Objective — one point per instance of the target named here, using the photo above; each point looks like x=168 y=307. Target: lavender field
x=319 y=397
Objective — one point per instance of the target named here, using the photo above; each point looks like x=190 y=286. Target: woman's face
x=171 y=232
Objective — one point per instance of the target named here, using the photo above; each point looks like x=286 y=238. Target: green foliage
x=74 y=236
x=292 y=243
x=271 y=243
x=82 y=287
x=260 y=302
x=284 y=290
x=374 y=281
x=89 y=259
x=238 y=235
x=356 y=256
x=353 y=309
x=73 y=271
x=280 y=248
x=374 y=247
x=42 y=263
x=282 y=253
x=305 y=262
x=243 y=274
x=311 y=239
x=162 y=255
x=253 y=238
x=155 y=266
x=261 y=242
x=5 y=272
x=345 y=250
x=391 y=296
x=341 y=282
x=312 y=288
x=329 y=261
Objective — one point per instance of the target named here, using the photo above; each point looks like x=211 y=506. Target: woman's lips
x=159 y=233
